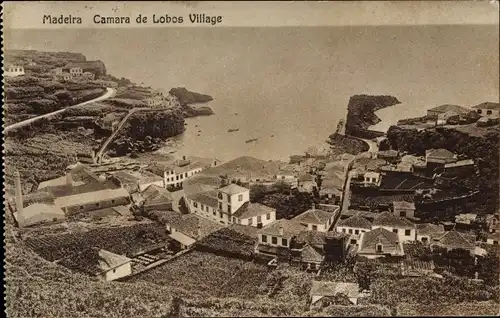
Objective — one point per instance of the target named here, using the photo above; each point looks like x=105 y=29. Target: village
x=121 y=219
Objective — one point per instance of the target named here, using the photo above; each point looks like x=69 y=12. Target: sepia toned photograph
x=253 y=159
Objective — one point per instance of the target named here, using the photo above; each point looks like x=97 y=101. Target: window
x=220 y=206
x=112 y=201
x=228 y=208
x=220 y=195
x=274 y=240
x=195 y=204
x=282 y=177
x=395 y=231
x=268 y=216
x=114 y=270
x=220 y=215
x=354 y=242
x=312 y=265
x=97 y=204
x=250 y=221
x=234 y=219
x=228 y=199
x=407 y=232
x=402 y=213
x=284 y=242
x=213 y=211
x=207 y=208
x=350 y=231
x=176 y=177
x=264 y=238
x=479 y=111
x=495 y=242
x=424 y=240
x=315 y=227
x=488 y=112
x=202 y=207
x=240 y=197
x=259 y=219
x=81 y=207
x=379 y=248
x=356 y=231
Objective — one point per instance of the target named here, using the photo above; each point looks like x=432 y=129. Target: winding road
x=110 y=92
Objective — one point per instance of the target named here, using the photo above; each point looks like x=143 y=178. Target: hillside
x=478 y=143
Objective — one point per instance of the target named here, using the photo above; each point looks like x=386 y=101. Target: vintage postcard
x=239 y=159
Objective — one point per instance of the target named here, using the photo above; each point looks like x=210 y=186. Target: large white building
x=14 y=70
x=230 y=205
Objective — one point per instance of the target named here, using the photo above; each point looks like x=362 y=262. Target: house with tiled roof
x=380 y=242
x=135 y=181
x=306 y=183
x=311 y=248
x=391 y=156
x=156 y=198
x=455 y=240
x=439 y=156
x=254 y=214
x=488 y=109
x=275 y=238
x=493 y=238
x=354 y=226
x=435 y=111
x=316 y=219
x=401 y=226
x=426 y=232
x=403 y=208
x=103 y=264
x=322 y=290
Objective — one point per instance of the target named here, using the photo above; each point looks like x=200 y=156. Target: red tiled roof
x=389 y=241
x=312 y=254
x=248 y=210
x=314 y=216
x=454 y=239
x=389 y=219
x=356 y=221
x=290 y=228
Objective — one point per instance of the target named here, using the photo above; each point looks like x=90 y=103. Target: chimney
x=313 y=206
x=19 y=196
x=280 y=231
x=198 y=232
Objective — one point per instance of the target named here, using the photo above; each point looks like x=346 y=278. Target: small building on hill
x=403 y=208
x=426 y=232
x=435 y=111
x=156 y=198
x=13 y=71
x=354 y=226
x=401 y=226
x=488 y=109
x=455 y=240
x=321 y=291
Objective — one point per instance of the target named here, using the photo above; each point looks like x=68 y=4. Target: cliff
x=480 y=144
x=361 y=112
x=186 y=97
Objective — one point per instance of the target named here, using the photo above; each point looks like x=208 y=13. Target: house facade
x=76 y=71
x=114 y=266
x=380 y=243
x=403 y=208
x=13 y=71
x=490 y=110
x=316 y=219
x=275 y=238
x=372 y=178
x=426 y=232
x=354 y=226
x=402 y=227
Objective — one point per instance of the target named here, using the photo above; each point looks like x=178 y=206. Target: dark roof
x=235 y=239
x=156 y=195
x=314 y=216
x=389 y=241
x=233 y=189
x=403 y=205
x=454 y=239
x=208 y=198
x=248 y=210
x=312 y=254
x=429 y=229
x=306 y=177
x=290 y=228
x=356 y=221
x=440 y=153
x=389 y=219
x=279 y=251
x=315 y=238
x=447 y=107
x=488 y=105
x=93 y=261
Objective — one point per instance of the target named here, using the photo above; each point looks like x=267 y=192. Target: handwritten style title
x=194 y=18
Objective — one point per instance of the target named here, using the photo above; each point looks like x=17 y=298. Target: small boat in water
x=233 y=130
x=251 y=140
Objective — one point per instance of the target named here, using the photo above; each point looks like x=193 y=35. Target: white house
x=286 y=174
x=404 y=228
x=403 y=208
x=254 y=214
x=278 y=234
x=14 y=70
x=493 y=238
x=89 y=75
x=488 y=109
x=355 y=226
x=138 y=181
x=306 y=183
x=380 y=243
x=114 y=266
x=76 y=71
x=317 y=220
x=174 y=175
x=371 y=178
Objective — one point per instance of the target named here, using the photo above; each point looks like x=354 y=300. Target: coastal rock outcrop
x=361 y=113
x=186 y=97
